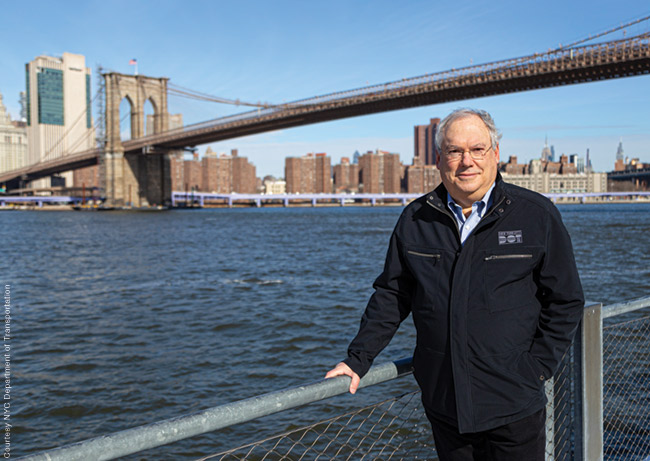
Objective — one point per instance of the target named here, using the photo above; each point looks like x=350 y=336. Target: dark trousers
x=523 y=440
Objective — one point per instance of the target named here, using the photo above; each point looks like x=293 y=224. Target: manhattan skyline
x=277 y=53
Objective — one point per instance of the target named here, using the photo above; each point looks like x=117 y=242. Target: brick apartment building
x=346 y=176
x=424 y=142
x=309 y=174
x=381 y=172
x=421 y=178
x=224 y=174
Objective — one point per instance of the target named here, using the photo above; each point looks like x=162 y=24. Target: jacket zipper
x=444 y=211
x=518 y=256
x=426 y=255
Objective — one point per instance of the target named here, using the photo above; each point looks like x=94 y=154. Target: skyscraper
x=619 y=164
x=547 y=155
x=59 y=116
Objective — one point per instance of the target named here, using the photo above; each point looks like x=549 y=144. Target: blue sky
x=287 y=50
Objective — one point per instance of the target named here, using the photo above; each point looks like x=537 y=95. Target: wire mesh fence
x=397 y=428
x=598 y=408
x=393 y=429
x=562 y=413
x=626 y=402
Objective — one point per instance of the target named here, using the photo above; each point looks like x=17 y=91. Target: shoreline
x=46 y=207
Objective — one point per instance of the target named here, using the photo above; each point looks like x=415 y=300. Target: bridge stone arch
x=138 y=89
x=134 y=179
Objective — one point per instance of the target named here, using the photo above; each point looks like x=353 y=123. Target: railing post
x=590 y=340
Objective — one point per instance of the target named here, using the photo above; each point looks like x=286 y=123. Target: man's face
x=467 y=179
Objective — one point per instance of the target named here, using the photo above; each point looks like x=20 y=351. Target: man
x=487 y=270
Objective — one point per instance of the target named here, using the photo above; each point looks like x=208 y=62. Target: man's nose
x=466 y=158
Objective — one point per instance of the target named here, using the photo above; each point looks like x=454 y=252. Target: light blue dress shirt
x=466 y=226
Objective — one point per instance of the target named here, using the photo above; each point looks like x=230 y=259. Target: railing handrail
x=160 y=433
x=164 y=432
x=625 y=307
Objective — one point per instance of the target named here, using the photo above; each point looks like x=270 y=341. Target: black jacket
x=493 y=317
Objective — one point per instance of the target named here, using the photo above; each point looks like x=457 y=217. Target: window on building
x=50 y=97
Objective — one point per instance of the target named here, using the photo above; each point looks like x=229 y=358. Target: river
x=123 y=318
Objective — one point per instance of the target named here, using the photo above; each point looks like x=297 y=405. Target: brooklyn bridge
x=142 y=163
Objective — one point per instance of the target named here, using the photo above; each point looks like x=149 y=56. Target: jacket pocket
x=508 y=275
x=425 y=265
x=509 y=256
x=434 y=256
x=503 y=384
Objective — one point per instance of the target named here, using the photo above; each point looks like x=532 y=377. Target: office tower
x=425 y=146
x=59 y=116
x=13 y=141
x=619 y=164
x=620 y=153
x=547 y=155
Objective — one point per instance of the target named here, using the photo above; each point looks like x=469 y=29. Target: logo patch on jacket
x=510 y=237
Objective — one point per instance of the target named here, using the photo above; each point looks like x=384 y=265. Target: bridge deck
x=608 y=60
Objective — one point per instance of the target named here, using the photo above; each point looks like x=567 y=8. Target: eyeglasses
x=456 y=153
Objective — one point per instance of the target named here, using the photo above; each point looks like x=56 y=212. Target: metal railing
x=598 y=404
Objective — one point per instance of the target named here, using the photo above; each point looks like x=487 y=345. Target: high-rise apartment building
x=220 y=174
x=425 y=145
x=346 y=176
x=13 y=141
x=177 y=171
x=59 y=115
x=309 y=174
x=192 y=176
x=421 y=178
x=243 y=179
x=380 y=172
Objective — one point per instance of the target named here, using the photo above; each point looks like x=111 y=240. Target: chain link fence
x=599 y=408
x=398 y=428
x=626 y=393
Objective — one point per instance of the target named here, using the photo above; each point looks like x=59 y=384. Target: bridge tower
x=137 y=179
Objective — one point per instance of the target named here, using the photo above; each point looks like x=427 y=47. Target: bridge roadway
x=564 y=66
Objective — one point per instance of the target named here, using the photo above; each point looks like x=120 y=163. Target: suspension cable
x=607 y=32
x=192 y=94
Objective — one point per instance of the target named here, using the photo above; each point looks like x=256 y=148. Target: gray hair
x=467 y=112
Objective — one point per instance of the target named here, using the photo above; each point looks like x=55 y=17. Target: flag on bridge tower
x=134 y=62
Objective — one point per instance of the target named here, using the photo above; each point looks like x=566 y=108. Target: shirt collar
x=481 y=205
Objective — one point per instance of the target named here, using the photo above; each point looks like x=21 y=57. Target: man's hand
x=342 y=369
